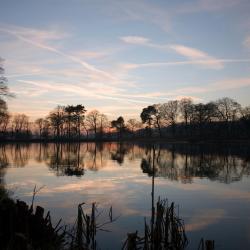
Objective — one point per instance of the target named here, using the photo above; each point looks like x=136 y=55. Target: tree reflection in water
x=4 y=163
x=119 y=153
x=177 y=162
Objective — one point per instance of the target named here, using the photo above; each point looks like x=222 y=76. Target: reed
x=83 y=234
x=167 y=231
x=206 y=245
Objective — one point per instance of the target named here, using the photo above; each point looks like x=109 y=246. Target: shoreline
x=132 y=140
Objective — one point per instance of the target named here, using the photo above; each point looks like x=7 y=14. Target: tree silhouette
x=203 y=113
x=133 y=125
x=4 y=90
x=21 y=124
x=220 y=119
x=186 y=109
x=119 y=125
x=39 y=123
x=74 y=116
x=69 y=118
x=151 y=117
x=169 y=113
x=228 y=109
x=96 y=122
x=78 y=114
x=4 y=116
x=56 y=119
x=4 y=122
x=245 y=113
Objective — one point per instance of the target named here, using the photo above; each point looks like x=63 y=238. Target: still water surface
x=210 y=183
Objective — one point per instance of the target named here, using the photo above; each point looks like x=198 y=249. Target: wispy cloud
x=206 y=5
x=94 y=92
x=140 y=11
x=162 y=15
x=213 y=63
x=68 y=67
x=230 y=84
x=227 y=84
x=134 y=102
x=192 y=91
x=90 y=54
x=196 y=56
x=38 y=39
x=204 y=219
x=246 y=42
x=135 y=40
x=144 y=41
x=32 y=108
x=191 y=53
x=39 y=35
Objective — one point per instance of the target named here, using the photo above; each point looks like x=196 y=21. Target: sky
x=120 y=56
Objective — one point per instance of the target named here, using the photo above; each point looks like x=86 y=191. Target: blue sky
x=119 y=56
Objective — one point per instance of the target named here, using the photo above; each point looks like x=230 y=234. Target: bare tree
x=21 y=123
x=4 y=122
x=245 y=113
x=39 y=124
x=4 y=90
x=169 y=113
x=93 y=119
x=97 y=122
x=133 y=125
x=56 y=119
x=46 y=128
x=203 y=113
x=4 y=115
x=186 y=109
x=227 y=109
x=104 y=123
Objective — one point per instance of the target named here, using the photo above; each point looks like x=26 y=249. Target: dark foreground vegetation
x=22 y=227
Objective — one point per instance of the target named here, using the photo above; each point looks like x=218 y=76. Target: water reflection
x=179 y=162
x=4 y=163
x=117 y=174
x=119 y=153
x=65 y=160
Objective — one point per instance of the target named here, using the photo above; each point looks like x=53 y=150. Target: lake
x=210 y=185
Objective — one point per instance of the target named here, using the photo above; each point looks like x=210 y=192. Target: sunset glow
x=120 y=56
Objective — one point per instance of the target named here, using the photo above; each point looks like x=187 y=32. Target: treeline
x=223 y=118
